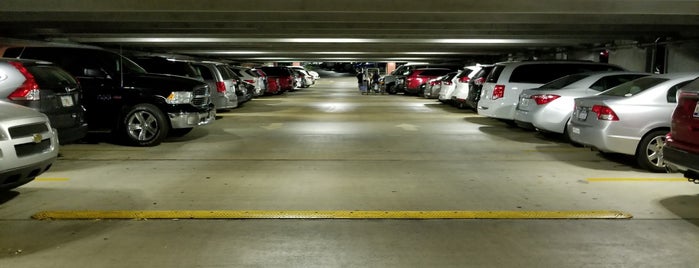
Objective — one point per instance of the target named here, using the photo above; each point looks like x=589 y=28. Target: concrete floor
x=329 y=148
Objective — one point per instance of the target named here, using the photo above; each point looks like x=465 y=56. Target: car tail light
x=479 y=81
x=464 y=79
x=544 y=98
x=220 y=87
x=249 y=81
x=498 y=92
x=604 y=113
x=29 y=90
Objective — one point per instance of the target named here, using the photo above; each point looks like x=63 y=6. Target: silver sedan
x=548 y=107
x=631 y=118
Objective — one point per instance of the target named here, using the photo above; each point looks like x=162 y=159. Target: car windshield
x=563 y=81
x=634 y=87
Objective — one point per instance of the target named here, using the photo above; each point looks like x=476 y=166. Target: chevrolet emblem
x=37 y=138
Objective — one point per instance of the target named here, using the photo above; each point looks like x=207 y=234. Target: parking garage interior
x=328 y=177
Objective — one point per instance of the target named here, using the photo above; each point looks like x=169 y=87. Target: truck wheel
x=649 y=154
x=145 y=125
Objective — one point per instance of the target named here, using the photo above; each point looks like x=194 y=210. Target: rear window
x=52 y=77
x=465 y=73
x=252 y=73
x=206 y=74
x=634 y=87
x=495 y=74
x=225 y=73
x=272 y=71
x=563 y=81
x=614 y=80
x=544 y=73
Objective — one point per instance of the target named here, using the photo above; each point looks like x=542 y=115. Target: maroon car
x=681 y=150
x=417 y=80
x=279 y=76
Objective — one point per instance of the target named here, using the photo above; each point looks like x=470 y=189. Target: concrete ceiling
x=360 y=30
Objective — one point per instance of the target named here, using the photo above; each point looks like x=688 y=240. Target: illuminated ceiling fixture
x=338 y=53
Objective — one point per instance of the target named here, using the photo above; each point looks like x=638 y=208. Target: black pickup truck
x=122 y=98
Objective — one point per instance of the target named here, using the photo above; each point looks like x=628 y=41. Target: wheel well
x=128 y=106
x=666 y=129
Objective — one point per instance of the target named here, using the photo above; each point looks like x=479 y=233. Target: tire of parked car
x=650 y=149
x=145 y=125
x=390 y=89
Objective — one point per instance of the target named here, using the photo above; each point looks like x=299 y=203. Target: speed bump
x=326 y=214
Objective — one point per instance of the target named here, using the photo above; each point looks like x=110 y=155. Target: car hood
x=162 y=81
x=14 y=111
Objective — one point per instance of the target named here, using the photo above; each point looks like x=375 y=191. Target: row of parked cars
x=653 y=117
x=51 y=95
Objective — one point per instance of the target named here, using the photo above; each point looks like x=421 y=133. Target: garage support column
x=390 y=66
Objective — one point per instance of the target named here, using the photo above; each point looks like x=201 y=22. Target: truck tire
x=145 y=125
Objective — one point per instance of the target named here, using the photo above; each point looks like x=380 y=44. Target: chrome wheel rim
x=654 y=151
x=142 y=126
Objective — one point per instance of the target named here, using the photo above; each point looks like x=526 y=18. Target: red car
x=280 y=77
x=681 y=150
x=417 y=80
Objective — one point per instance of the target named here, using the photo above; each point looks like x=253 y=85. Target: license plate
x=696 y=110
x=576 y=130
x=582 y=114
x=67 y=101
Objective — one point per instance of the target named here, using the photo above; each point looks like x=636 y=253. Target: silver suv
x=28 y=145
x=500 y=93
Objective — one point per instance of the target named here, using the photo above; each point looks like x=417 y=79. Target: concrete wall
x=631 y=58
x=683 y=57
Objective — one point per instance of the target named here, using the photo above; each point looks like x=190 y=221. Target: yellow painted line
x=555 y=150
x=636 y=179
x=327 y=214
x=51 y=179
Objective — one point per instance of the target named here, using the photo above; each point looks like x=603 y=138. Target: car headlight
x=179 y=97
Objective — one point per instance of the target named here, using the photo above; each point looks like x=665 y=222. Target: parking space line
x=327 y=214
x=636 y=180
x=51 y=179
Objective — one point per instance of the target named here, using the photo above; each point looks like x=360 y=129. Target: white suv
x=28 y=145
x=501 y=90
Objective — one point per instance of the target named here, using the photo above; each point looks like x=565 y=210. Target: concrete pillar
x=390 y=66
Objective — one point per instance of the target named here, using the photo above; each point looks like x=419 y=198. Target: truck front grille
x=201 y=98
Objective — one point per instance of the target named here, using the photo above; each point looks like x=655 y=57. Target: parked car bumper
x=191 y=119
x=544 y=119
x=677 y=160
x=224 y=101
x=72 y=134
x=497 y=109
x=16 y=177
x=603 y=138
x=24 y=158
